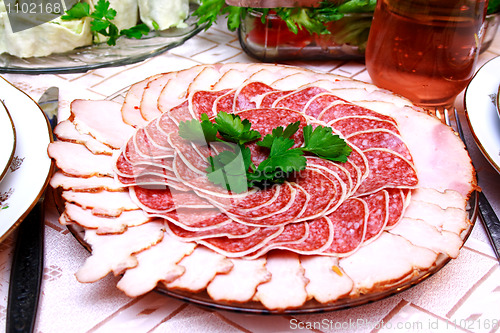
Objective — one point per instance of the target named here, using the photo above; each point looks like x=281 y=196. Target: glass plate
x=312 y=306
x=126 y=51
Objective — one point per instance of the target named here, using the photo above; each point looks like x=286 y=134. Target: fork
x=490 y=220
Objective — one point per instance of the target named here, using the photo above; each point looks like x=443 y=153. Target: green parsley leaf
x=199 y=132
x=322 y=142
x=103 y=11
x=78 y=11
x=136 y=32
x=290 y=130
x=229 y=169
x=233 y=129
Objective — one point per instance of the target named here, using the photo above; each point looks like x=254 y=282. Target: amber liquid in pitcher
x=425 y=50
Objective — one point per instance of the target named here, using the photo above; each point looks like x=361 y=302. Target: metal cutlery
x=27 y=263
x=488 y=217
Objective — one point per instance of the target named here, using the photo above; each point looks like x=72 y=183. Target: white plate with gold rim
x=7 y=140
x=480 y=105
x=29 y=170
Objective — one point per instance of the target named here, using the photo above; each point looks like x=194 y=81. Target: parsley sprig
x=234 y=169
x=101 y=23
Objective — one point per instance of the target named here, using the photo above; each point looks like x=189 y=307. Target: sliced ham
x=102 y=203
x=80 y=184
x=131 y=105
x=66 y=131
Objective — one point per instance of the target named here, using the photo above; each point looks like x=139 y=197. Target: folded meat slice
x=116 y=252
x=287 y=287
x=158 y=263
x=104 y=224
x=131 y=105
x=82 y=162
x=107 y=127
x=422 y=234
x=378 y=265
x=80 y=184
x=230 y=229
x=102 y=203
x=327 y=281
x=202 y=265
x=66 y=131
x=240 y=284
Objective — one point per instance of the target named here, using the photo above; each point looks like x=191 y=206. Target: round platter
x=30 y=168
x=126 y=51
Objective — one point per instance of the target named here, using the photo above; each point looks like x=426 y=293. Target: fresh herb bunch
x=312 y=19
x=234 y=169
x=101 y=23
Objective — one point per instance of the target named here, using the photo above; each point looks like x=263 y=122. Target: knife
x=27 y=263
x=490 y=219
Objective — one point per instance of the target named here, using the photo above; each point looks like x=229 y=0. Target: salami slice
x=387 y=169
x=336 y=168
x=240 y=247
x=297 y=100
x=165 y=199
x=380 y=138
x=316 y=105
x=203 y=101
x=158 y=137
x=224 y=103
x=320 y=237
x=339 y=110
x=230 y=229
x=248 y=95
x=397 y=205
x=353 y=124
x=378 y=210
x=269 y=98
x=349 y=222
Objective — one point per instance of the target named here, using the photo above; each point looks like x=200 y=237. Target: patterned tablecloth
x=463 y=296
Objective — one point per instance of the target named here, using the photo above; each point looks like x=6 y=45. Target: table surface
x=463 y=296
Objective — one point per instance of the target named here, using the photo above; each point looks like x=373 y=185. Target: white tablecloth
x=464 y=295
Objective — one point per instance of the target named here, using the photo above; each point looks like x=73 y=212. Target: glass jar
x=269 y=39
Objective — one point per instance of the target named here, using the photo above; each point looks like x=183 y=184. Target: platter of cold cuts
x=261 y=188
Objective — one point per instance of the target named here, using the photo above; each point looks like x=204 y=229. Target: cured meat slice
x=321 y=190
x=448 y=198
x=82 y=162
x=450 y=219
x=195 y=219
x=317 y=104
x=420 y=233
x=378 y=214
x=107 y=127
x=231 y=247
x=80 y=184
x=165 y=199
x=287 y=288
x=104 y=225
x=158 y=137
x=202 y=265
x=349 y=225
x=148 y=149
x=158 y=263
x=249 y=95
x=380 y=139
x=166 y=125
x=131 y=105
x=115 y=253
x=387 y=169
x=297 y=100
x=293 y=233
x=175 y=91
x=377 y=265
x=240 y=284
x=124 y=168
x=179 y=113
x=103 y=203
x=358 y=160
x=149 y=101
x=66 y=131
x=339 y=110
x=397 y=206
x=320 y=237
x=224 y=103
x=337 y=169
x=327 y=281
x=353 y=124
x=230 y=229
x=269 y=98
x=203 y=101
